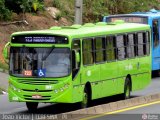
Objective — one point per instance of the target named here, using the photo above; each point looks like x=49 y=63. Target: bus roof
x=89 y=29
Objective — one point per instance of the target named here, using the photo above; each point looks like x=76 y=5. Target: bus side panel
x=144 y=69
x=78 y=88
x=128 y=68
x=97 y=86
x=144 y=73
x=135 y=81
x=122 y=73
x=109 y=76
x=133 y=66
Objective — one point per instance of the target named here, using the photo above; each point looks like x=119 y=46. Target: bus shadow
x=62 y=108
x=106 y=100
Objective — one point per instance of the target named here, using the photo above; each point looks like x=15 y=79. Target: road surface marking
x=122 y=110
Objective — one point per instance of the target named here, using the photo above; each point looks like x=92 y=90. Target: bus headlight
x=14 y=88
x=18 y=90
x=11 y=86
x=61 y=89
x=56 y=91
x=66 y=86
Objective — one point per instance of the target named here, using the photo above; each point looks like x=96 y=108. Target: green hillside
x=93 y=10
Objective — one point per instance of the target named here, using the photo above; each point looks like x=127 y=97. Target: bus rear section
x=151 y=18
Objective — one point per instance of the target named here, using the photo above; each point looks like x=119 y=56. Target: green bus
x=78 y=63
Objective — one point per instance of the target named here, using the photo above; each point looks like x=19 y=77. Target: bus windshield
x=39 y=62
x=130 y=19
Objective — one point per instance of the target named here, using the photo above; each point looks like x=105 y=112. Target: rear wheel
x=32 y=106
x=127 y=89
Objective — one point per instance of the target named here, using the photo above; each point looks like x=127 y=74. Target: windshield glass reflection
x=40 y=62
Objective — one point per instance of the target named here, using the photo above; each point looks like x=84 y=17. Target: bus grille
x=37 y=81
x=29 y=97
x=37 y=91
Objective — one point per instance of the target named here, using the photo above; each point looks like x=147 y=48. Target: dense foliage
x=4 y=12
x=18 y=6
x=93 y=10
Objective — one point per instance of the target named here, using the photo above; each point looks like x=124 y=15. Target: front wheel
x=32 y=106
x=86 y=99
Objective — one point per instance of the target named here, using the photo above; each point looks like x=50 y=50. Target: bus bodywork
x=102 y=58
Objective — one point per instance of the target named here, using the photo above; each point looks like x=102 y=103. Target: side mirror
x=5 y=51
x=77 y=57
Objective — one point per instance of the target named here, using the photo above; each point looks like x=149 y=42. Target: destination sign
x=40 y=39
x=130 y=19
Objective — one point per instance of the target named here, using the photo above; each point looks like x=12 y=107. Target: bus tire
x=86 y=98
x=127 y=89
x=32 y=106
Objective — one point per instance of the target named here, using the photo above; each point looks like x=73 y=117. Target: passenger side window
x=130 y=46
x=140 y=44
x=110 y=48
x=88 y=51
x=99 y=49
x=120 y=47
x=146 y=42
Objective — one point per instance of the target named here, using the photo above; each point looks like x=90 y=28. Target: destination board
x=29 y=39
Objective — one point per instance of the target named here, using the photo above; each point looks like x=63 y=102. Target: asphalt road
x=7 y=107
x=151 y=112
x=3 y=80
x=151 y=109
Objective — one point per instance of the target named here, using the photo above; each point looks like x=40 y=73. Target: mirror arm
x=5 y=52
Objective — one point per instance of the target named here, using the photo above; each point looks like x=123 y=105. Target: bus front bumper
x=52 y=96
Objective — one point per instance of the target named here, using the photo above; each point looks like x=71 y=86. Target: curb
x=3 y=91
x=110 y=107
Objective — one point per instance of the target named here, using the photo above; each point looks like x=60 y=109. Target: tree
x=5 y=13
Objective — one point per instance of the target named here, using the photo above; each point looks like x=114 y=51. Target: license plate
x=36 y=96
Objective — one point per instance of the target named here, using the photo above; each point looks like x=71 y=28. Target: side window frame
x=146 y=42
x=111 y=50
x=140 y=43
x=131 y=45
x=84 y=51
x=102 y=49
x=121 y=48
